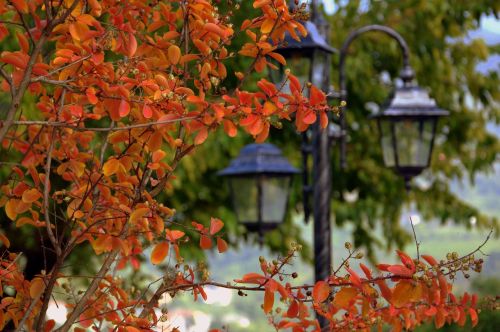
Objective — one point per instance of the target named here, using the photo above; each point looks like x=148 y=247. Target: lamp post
x=407 y=125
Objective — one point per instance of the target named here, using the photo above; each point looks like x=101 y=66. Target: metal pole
x=322 y=184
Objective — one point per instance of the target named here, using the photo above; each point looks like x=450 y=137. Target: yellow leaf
x=160 y=251
x=36 y=288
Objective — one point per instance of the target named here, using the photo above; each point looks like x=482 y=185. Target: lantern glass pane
x=387 y=143
x=319 y=68
x=274 y=198
x=413 y=139
x=245 y=193
x=277 y=76
x=300 y=66
x=427 y=130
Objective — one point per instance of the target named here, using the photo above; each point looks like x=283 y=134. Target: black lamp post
x=407 y=125
x=260 y=179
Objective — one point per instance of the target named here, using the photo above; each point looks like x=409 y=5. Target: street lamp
x=260 y=179
x=307 y=59
x=407 y=127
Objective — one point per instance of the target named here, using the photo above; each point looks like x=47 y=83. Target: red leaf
x=354 y=277
x=406 y=260
x=124 y=108
x=174 y=235
x=147 y=111
x=221 y=245
x=215 y=225
x=317 y=96
x=400 y=270
x=205 y=242
x=429 y=259
x=293 y=309
x=90 y=92
x=366 y=270
x=268 y=300
x=309 y=117
x=321 y=291
x=49 y=325
x=473 y=317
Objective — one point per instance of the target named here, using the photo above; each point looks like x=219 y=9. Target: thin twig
x=417 y=244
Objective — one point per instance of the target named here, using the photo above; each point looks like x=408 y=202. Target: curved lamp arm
x=407 y=73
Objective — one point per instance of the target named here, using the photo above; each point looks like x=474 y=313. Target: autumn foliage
x=122 y=91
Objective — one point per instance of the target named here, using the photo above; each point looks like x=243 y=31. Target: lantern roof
x=257 y=159
x=411 y=101
x=313 y=40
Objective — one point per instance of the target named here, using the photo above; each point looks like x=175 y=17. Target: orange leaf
x=160 y=251
x=215 y=225
x=321 y=291
x=278 y=57
x=23 y=42
x=217 y=30
x=138 y=214
x=11 y=208
x=267 y=25
x=405 y=292
x=158 y=155
x=221 y=245
x=124 y=108
x=344 y=297
x=174 y=235
x=110 y=167
x=230 y=128
x=36 y=288
x=205 y=242
x=5 y=241
x=268 y=300
x=31 y=195
x=201 y=136
x=174 y=54
x=261 y=3
x=21 y=5
x=132 y=45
